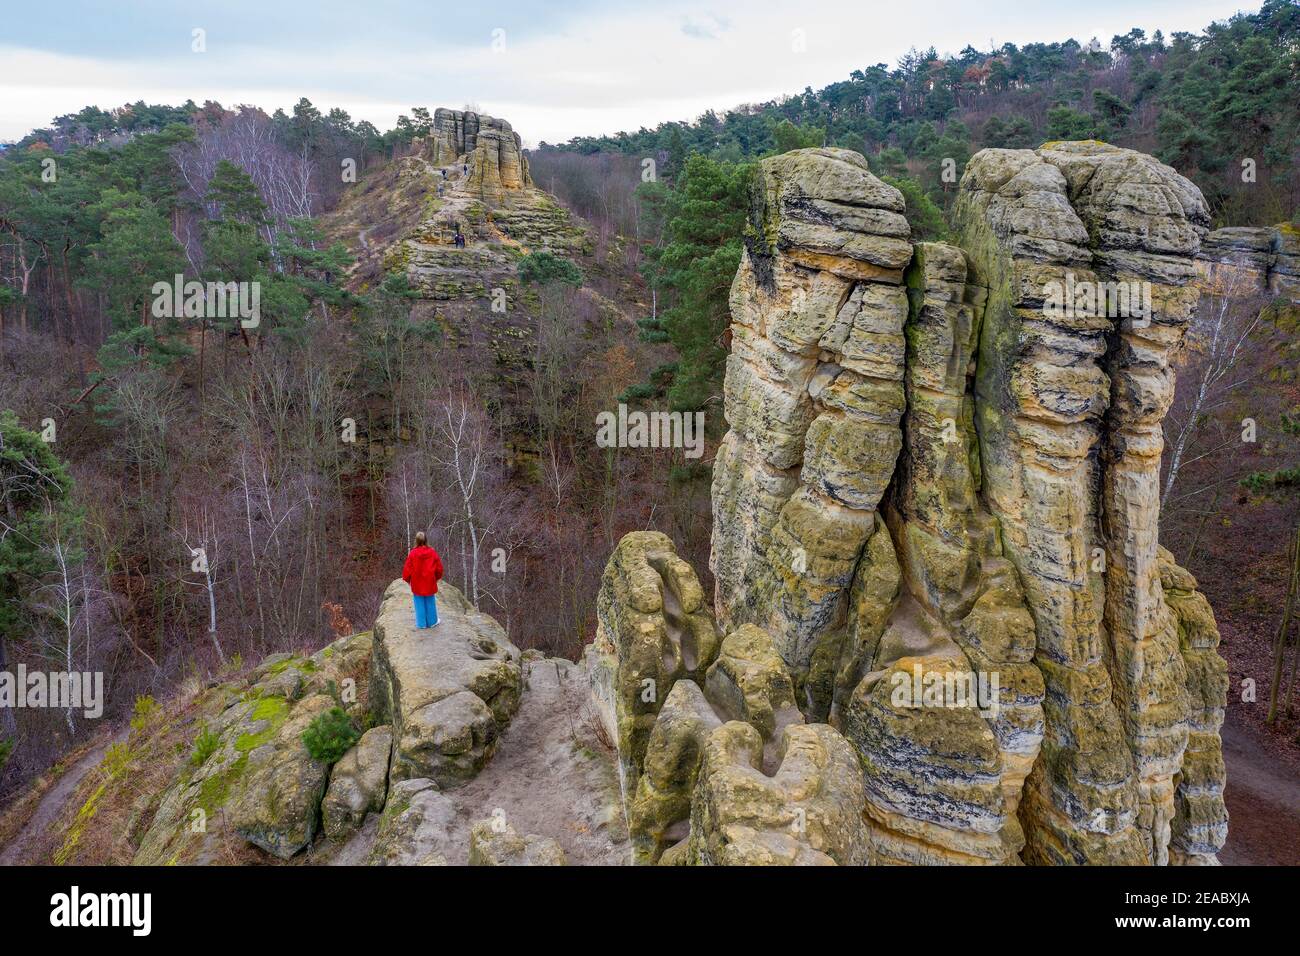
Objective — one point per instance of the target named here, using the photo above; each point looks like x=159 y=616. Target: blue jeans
x=426 y=610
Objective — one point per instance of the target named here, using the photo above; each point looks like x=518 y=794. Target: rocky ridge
x=1246 y=259
x=943 y=629
x=438 y=776
x=468 y=176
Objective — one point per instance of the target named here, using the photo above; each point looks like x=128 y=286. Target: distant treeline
x=1222 y=107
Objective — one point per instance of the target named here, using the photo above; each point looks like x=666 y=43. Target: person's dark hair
x=419 y=538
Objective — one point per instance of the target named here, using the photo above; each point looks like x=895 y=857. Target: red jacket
x=422 y=571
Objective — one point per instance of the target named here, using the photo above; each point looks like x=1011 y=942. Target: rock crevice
x=940 y=481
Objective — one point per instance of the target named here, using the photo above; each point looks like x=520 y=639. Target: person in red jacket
x=423 y=571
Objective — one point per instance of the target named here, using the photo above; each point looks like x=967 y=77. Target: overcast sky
x=554 y=69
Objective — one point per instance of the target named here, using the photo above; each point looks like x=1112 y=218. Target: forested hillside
x=185 y=495
x=1202 y=103
x=187 y=491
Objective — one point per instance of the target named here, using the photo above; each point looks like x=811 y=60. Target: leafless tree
x=247 y=138
x=204 y=547
x=1221 y=359
x=24 y=257
x=462 y=450
x=66 y=599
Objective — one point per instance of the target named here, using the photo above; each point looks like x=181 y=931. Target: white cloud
x=600 y=73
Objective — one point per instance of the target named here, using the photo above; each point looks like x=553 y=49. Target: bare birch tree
x=462 y=451
x=65 y=599
x=204 y=547
x=1222 y=358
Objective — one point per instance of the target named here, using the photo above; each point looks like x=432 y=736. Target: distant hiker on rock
x=423 y=571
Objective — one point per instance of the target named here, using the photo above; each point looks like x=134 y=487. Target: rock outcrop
x=1200 y=824
x=415 y=814
x=653 y=629
x=937 y=507
x=228 y=772
x=448 y=692
x=718 y=766
x=489 y=145
x=467 y=177
x=250 y=770
x=495 y=843
x=1251 y=260
x=358 y=783
x=805 y=810
x=1069 y=403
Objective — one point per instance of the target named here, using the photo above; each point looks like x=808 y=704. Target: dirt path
x=51 y=804
x=1263 y=805
x=550 y=776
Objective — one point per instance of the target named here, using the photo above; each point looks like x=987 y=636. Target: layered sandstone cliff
x=935 y=535
x=487 y=144
x=467 y=178
x=1249 y=259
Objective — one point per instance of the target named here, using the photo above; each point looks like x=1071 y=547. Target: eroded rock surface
x=725 y=771
x=415 y=817
x=814 y=398
x=938 y=505
x=254 y=775
x=1252 y=260
x=654 y=627
x=491 y=145
x=495 y=843
x=358 y=783
x=807 y=812
x=1069 y=403
x=447 y=691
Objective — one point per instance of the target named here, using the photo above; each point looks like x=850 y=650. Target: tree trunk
x=8 y=725
x=1279 y=649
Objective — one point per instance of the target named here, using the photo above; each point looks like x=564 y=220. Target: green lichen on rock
x=654 y=626
x=924 y=462
x=258 y=781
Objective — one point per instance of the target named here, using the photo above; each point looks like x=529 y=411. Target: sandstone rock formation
x=222 y=774
x=358 y=783
x=416 y=810
x=257 y=775
x=802 y=809
x=937 y=505
x=653 y=629
x=438 y=709
x=1200 y=824
x=495 y=843
x=469 y=177
x=488 y=144
x=449 y=698
x=718 y=766
x=1242 y=260
x=1070 y=442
